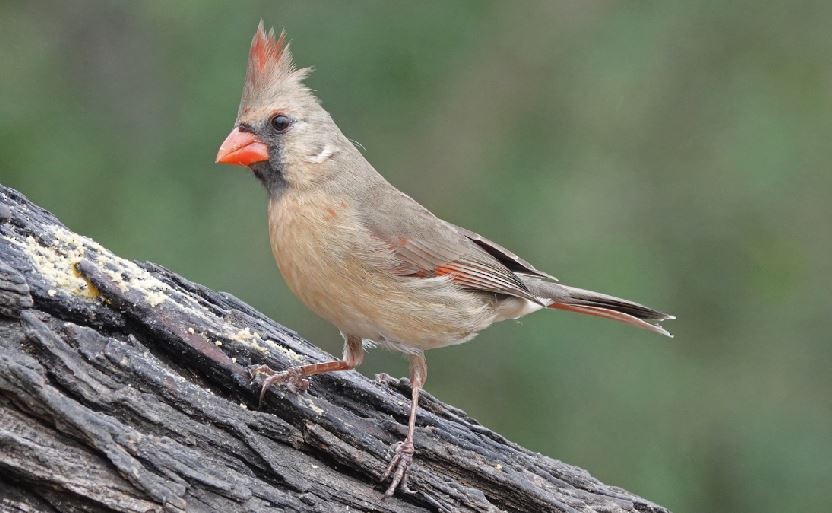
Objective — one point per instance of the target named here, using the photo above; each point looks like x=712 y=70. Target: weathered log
x=124 y=387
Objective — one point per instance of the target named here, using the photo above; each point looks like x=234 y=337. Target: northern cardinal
x=367 y=257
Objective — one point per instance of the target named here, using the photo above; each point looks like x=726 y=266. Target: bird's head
x=281 y=131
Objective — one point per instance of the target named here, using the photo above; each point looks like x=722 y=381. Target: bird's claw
x=292 y=377
x=255 y=371
x=382 y=378
x=399 y=468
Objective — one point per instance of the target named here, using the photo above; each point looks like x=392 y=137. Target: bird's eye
x=280 y=122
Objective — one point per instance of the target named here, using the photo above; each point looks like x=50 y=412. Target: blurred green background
x=674 y=153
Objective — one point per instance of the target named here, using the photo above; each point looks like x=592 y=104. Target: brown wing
x=504 y=256
x=426 y=246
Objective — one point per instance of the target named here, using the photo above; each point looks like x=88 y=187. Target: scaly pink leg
x=399 y=466
x=296 y=376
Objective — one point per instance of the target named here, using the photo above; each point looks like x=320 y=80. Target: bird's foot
x=399 y=468
x=382 y=378
x=293 y=378
x=255 y=371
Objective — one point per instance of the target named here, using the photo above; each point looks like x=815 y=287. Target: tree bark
x=125 y=387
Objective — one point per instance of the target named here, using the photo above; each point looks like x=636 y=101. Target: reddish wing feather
x=478 y=276
x=425 y=246
x=420 y=260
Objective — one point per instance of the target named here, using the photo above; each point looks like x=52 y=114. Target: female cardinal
x=367 y=257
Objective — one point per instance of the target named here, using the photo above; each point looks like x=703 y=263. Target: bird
x=368 y=258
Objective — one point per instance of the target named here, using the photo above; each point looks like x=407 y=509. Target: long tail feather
x=612 y=314
x=564 y=297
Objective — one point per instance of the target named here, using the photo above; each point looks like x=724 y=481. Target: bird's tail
x=573 y=299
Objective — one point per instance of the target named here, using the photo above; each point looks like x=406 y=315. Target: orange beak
x=242 y=149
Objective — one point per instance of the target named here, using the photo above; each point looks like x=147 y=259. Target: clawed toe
x=399 y=468
x=293 y=378
x=298 y=384
x=383 y=378
x=255 y=371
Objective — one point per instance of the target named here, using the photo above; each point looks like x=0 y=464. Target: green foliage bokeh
x=673 y=153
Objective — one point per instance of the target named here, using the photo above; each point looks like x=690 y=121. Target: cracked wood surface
x=124 y=387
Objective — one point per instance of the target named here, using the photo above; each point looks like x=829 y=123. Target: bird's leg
x=399 y=466
x=296 y=376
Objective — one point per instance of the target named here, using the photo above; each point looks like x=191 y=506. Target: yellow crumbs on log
x=58 y=261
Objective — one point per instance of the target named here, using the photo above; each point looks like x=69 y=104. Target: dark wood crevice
x=124 y=387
